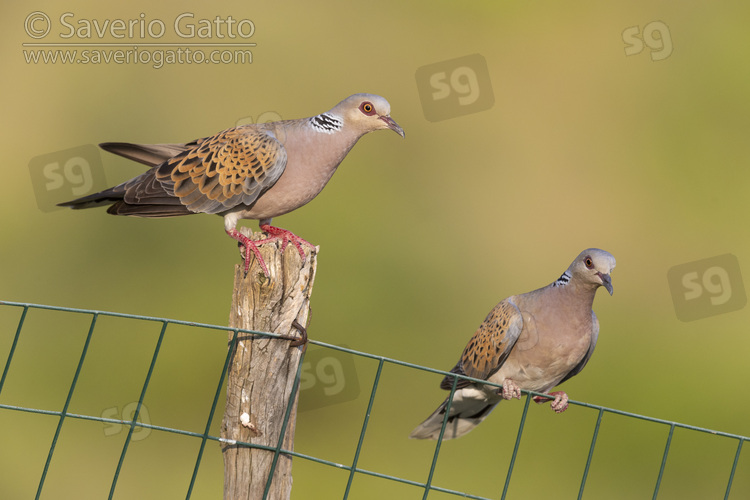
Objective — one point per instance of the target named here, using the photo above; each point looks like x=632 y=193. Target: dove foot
x=277 y=233
x=559 y=404
x=510 y=390
x=250 y=246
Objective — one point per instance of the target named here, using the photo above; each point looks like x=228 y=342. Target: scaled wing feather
x=220 y=172
x=490 y=346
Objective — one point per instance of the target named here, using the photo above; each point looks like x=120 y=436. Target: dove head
x=366 y=112
x=593 y=266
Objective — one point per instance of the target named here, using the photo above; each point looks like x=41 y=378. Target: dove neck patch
x=562 y=280
x=326 y=123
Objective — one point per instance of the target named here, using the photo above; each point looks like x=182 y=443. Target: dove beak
x=391 y=124
x=606 y=282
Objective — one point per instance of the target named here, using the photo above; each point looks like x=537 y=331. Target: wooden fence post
x=262 y=370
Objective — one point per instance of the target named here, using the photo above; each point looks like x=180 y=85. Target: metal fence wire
x=135 y=424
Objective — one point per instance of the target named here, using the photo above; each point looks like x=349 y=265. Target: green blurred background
x=640 y=155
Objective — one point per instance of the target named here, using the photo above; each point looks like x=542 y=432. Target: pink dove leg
x=250 y=246
x=276 y=233
x=559 y=404
x=510 y=390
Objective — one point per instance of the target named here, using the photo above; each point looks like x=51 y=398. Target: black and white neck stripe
x=326 y=123
x=562 y=280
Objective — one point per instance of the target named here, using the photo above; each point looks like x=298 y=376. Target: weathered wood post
x=262 y=370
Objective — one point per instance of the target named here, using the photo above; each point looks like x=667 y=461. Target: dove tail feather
x=148 y=154
x=123 y=208
x=120 y=207
x=465 y=414
x=100 y=199
x=143 y=196
x=447 y=383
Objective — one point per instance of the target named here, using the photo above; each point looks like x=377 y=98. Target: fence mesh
x=136 y=423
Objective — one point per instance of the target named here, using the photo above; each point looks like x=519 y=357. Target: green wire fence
x=427 y=486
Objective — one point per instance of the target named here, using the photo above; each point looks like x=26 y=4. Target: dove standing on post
x=532 y=341
x=256 y=171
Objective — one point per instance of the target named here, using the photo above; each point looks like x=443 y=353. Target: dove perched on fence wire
x=255 y=171
x=532 y=341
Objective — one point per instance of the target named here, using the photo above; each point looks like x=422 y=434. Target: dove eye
x=589 y=263
x=367 y=108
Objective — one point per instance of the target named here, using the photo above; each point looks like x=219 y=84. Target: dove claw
x=559 y=404
x=286 y=237
x=510 y=390
x=250 y=246
x=274 y=233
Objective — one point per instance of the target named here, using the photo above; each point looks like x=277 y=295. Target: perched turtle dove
x=532 y=341
x=256 y=171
